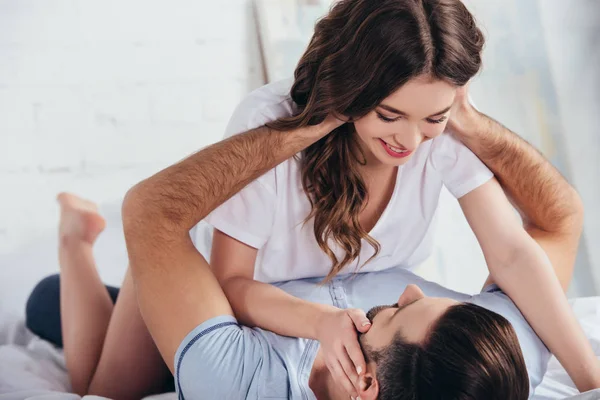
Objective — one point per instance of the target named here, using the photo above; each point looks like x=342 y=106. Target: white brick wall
x=97 y=94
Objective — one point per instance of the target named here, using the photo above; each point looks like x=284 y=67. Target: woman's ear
x=368 y=387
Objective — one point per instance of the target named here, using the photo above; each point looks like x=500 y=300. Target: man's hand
x=158 y=213
x=463 y=116
x=337 y=334
x=332 y=122
x=553 y=216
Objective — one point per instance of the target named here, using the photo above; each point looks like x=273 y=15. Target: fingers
x=360 y=319
x=344 y=356
x=342 y=379
x=352 y=347
x=335 y=120
x=357 y=358
x=330 y=123
x=462 y=95
x=349 y=367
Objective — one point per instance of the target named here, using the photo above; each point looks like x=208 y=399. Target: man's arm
x=550 y=207
x=175 y=287
x=553 y=216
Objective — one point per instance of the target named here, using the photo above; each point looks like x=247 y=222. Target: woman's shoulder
x=444 y=150
x=265 y=104
x=446 y=144
x=281 y=181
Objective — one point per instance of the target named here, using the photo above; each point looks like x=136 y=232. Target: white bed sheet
x=33 y=369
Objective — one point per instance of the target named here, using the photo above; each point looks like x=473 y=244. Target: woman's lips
x=395 y=151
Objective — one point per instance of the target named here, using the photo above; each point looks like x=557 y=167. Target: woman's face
x=416 y=112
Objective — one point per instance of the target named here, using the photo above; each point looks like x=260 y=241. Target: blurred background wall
x=96 y=95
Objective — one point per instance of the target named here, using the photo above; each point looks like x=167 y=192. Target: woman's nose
x=410 y=139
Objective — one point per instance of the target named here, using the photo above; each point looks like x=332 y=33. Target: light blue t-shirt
x=221 y=359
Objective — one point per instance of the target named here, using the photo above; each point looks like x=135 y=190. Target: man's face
x=411 y=317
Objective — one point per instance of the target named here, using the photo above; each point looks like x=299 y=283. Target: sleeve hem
x=470 y=185
x=236 y=233
x=206 y=327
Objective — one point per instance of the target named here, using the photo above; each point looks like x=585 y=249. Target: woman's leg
x=85 y=305
x=108 y=350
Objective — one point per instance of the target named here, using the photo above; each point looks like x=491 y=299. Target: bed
x=33 y=369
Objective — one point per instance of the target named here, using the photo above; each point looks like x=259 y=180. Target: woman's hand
x=337 y=334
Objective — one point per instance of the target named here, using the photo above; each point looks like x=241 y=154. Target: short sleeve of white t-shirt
x=460 y=169
x=248 y=215
x=269 y=214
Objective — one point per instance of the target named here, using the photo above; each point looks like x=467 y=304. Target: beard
x=376 y=310
x=371 y=355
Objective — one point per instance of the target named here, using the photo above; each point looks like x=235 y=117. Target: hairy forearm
x=168 y=272
x=540 y=193
x=549 y=313
x=183 y=194
x=268 y=307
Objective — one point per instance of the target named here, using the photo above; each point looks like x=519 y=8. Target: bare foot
x=79 y=220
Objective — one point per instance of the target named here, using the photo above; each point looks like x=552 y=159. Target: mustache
x=376 y=310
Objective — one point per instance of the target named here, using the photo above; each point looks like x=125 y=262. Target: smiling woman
x=392 y=67
x=426 y=103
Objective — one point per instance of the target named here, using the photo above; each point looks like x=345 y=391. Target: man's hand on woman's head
x=330 y=123
x=462 y=96
x=463 y=116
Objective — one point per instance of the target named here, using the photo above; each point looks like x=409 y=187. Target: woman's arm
x=553 y=217
x=266 y=306
x=256 y=303
x=551 y=209
x=522 y=269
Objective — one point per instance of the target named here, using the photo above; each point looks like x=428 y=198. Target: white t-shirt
x=268 y=214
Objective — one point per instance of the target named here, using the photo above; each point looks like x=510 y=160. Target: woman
x=362 y=198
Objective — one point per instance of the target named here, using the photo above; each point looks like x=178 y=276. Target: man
x=421 y=345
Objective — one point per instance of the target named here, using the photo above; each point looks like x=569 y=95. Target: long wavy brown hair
x=360 y=53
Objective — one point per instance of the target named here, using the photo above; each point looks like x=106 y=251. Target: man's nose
x=411 y=294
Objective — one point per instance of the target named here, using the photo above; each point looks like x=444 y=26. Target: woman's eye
x=436 y=121
x=385 y=119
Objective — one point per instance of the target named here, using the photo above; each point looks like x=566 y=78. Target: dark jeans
x=42 y=313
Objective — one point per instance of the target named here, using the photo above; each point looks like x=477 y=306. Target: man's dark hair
x=470 y=353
